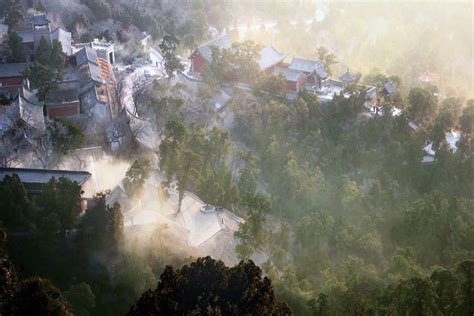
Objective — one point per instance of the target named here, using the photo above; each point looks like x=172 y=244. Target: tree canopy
x=207 y=286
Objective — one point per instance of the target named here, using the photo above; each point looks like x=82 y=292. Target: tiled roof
x=289 y=74
x=223 y=42
x=269 y=56
x=94 y=71
x=40 y=20
x=3 y=31
x=26 y=108
x=348 y=77
x=26 y=36
x=85 y=55
x=31 y=113
x=308 y=66
x=64 y=37
x=389 y=87
x=12 y=70
x=44 y=175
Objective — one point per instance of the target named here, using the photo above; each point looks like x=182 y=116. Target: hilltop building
x=203 y=54
x=39 y=26
x=22 y=128
x=268 y=60
x=35 y=179
x=295 y=80
x=86 y=93
x=103 y=50
x=314 y=70
x=11 y=79
x=348 y=78
x=24 y=116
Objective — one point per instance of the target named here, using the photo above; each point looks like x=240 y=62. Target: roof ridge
x=46 y=170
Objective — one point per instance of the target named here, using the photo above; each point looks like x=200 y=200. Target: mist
x=323 y=149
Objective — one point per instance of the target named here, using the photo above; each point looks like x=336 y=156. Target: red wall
x=301 y=82
x=291 y=85
x=62 y=112
x=197 y=63
x=11 y=84
x=298 y=85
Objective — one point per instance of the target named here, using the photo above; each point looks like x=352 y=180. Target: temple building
x=39 y=26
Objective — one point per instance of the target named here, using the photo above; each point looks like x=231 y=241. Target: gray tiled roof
x=31 y=113
x=40 y=20
x=43 y=175
x=64 y=37
x=223 y=42
x=269 y=56
x=389 y=87
x=12 y=70
x=28 y=95
x=289 y=74
x=94 y=71
x=26 y=36
x=85 y=55
x=308 y=66
x=26 y=108
x=3 y=30
x=348 y=77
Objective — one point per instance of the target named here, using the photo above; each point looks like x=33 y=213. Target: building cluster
x=34 y=180
x=85 y=94
x=300 y=74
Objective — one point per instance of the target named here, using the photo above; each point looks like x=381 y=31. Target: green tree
x=219 y=69
x=319 y=306
x=195 y=29
x=67 y=135
x=252 y=233
x=244 y=57
x=40 y=7
x=168 y=47
x=11 y=11
x=43 y=77
x=447 y=290
x=135 y=177
x=47 y=70
x=466 y=270
x=423 y=105
x=60 y=198
x=43 y=52
x=15 y=207
x=169 y=148
x=38 y=296
x=189 y=162
x=16 y=53
x=101 y=9
x=327 y=59
x=240 y=290
x=248 y=175
x=102 y=225
x=80 y=298
x=273 y=86
x=8 y=277
x=56 y=57
x=467 y=119
x=415 y=296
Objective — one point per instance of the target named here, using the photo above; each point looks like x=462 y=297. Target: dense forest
x=342 y=214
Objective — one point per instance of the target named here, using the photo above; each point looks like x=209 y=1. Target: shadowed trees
x=423 y=105
x=136 y=176
x=168 y=47
x=47 y=69
x=38 y=296
x=206 y=287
